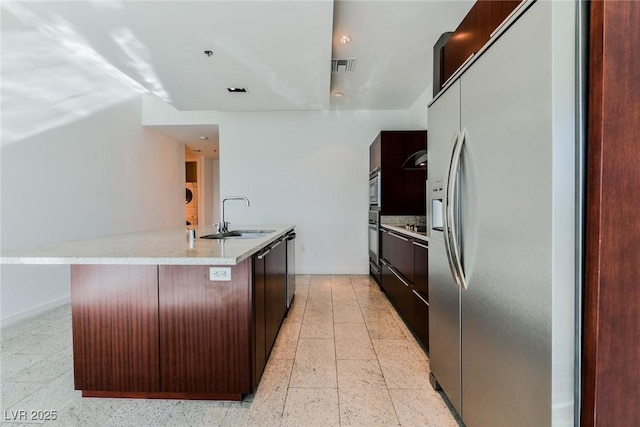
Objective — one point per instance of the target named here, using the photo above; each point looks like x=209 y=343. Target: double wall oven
x=374 y=224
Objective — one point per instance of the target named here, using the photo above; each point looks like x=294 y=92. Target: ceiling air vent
x=343 y=65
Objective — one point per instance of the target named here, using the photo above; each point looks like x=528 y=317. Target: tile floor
x=343 y=357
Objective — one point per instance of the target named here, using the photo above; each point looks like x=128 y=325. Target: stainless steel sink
x=238 y=234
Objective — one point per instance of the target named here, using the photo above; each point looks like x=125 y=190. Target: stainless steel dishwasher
x=291 y=267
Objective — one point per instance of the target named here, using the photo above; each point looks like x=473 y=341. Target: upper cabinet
x=374 y=155
x=472 y=33
x=402 y=185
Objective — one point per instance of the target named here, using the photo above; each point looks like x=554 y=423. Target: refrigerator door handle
x=445 y=209
x=452 y=209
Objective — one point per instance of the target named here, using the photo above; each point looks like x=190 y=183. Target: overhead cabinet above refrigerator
x=501 y=176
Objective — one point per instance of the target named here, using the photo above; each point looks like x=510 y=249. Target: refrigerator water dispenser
x=436 y=195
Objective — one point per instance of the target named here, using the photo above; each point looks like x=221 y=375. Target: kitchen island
x=156 y=315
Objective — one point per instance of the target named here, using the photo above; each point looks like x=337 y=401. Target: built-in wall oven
x=374 y=243
x=374 y=189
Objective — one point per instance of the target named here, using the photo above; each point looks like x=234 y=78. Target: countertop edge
x=402 y=230
x=43 y=259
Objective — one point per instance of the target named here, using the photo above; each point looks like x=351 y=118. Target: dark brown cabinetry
x=115 y=328
x=397 y=250
x=259 y=340
x=473 y=32
x=404 y=280
x=269 y=309
x=402 y=192
x=169 y=331
x=420 y=319
x=611 y=334
x=203 y=330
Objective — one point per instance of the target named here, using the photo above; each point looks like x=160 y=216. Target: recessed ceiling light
x=345 y=39
x=338 y=94
x=237 y=89
x=204 y=138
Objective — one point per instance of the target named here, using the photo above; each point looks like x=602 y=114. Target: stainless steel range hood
x=416 y=161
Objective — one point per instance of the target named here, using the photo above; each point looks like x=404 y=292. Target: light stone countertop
x=401 y=230
x=159 y=247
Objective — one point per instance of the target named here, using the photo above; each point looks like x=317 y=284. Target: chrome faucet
x=225 y=225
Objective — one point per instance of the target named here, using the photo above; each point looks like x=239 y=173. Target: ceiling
x=280 y=51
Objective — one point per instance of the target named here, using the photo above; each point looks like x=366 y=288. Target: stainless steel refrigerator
x=502 y=257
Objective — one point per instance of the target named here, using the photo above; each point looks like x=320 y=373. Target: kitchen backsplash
x=402 y=220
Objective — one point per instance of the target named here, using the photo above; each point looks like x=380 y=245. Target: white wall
x=215 y=174
x=102 y=174
x=418 y=111
x=209 y=190
x=309 y=169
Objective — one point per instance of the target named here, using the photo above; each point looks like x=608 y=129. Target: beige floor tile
x=268 y=402
x=341 y=282
x=41 y=343
x=362 y=279
x=381 y=324
x=402 y=367
x=12 y=363
x=347 y=311
x=303 y=279
x=136 y=412
x=315 y=364
x=317 y=324
x=55 y=395
x=17 y=329
x=88 y=412
x=364 y=398
x=275 y=379
x=13 y=393
x=197 y=413
x=345 y=293
x=320 y=283
x=353 y=342
x=287 y=341
x=319 y=301
x=422 y=408
x=237 y=414
x=311 y=407
x=302 y=291
x=296 y=311
x=377 y=302
x=46 y=370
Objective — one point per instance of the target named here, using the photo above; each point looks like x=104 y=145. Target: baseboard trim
x=33 y=311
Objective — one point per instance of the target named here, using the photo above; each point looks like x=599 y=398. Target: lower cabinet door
x=259 y=320
x=205 y=330
x=397 y=291
x=389 y=283
x=420 y=318
x=275 y=291
x=115 y=328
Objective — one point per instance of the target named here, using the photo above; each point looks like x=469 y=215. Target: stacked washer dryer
x=192 y=203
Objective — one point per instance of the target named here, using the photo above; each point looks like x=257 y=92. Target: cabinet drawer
x=421 y=269
x=398 y=291
x=418 y=318
x=397 y=250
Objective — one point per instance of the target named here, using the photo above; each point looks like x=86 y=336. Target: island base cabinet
x=149 y=331
x=205 y=330
x=115 y=328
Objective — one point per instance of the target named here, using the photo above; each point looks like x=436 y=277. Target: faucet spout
x=225 y=224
